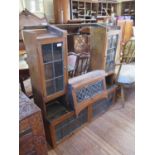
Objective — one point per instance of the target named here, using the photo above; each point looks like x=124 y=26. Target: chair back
x=126 y=71
x=129 y=52
x=82 y=64
x=72 y=61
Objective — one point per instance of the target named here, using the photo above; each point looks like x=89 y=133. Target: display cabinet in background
x=128 y=8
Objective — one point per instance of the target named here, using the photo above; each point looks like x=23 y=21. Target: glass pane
x=109 y=42
x=53 y=59
x=89 y=91
x=49 y=74
x=58 y=66
x=108 y=53
x=50 y=87
x=59 y=83
x=110 y=60
x=57 y=51
x=47 y=52
x=115 y=37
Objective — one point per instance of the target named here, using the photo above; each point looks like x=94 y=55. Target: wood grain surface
x=113 y=133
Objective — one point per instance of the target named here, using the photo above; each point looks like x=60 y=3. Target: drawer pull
x=25 y=132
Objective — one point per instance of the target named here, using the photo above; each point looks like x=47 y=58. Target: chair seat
x=22 y=62
x=127 y=74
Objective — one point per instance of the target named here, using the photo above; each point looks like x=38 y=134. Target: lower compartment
x=69 y=125
x=102 y=106
x=66 y=123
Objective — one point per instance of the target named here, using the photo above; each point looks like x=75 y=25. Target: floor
x=112 y=133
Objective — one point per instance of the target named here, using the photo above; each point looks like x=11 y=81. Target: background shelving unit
x=91 y=9
x=128 y=8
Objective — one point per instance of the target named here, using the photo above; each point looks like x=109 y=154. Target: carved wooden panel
x=82 y=43
x=26 y=106
x=31 y=130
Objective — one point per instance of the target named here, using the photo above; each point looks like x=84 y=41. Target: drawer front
x=69 y=125
x=38 y=134
x=102 y=106
x=32 y=136
x=26 y=146
x=23 y=125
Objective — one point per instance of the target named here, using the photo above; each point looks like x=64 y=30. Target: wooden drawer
x=60 y=128
x=26 y=143
x=31 y=130
x=102 y=106
x=63 y=127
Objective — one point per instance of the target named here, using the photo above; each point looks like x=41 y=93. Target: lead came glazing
x=89 y=91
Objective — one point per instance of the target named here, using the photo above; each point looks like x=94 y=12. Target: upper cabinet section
x=47 y=55
x=53 y=60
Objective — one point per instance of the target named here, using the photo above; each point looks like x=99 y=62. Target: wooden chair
x=24 y=75
x=78 y=64
x=126 y=73
x=128 y=52
x=72 y=60
x=82 y=64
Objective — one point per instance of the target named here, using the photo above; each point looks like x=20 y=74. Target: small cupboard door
x=53 y=67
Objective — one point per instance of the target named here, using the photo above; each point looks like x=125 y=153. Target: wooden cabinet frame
x=34 y=38
x=52 y=125
x=99 y=46
x=84 y=82
x=79 y=107
x=43 y=42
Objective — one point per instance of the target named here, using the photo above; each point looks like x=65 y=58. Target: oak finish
x=51 y=125
x=110 y=134
x=126 y=29
x=61 y=11
x=99 y=46
x=34 y=38
x=78 y=107
x=31 y=130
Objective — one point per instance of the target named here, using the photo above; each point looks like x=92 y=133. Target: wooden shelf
x=90 y=8
x=128 y=8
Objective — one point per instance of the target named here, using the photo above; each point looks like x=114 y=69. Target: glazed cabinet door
x=53 y=68
x=111 y=52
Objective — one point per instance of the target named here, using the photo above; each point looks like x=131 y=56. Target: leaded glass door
x=111 y=52
x=53 y=61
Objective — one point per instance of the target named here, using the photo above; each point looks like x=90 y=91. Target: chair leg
x=22 y=85
x=122 y=96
